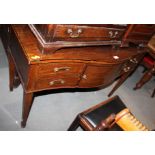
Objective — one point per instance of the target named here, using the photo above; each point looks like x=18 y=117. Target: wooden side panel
x=5 y=35
x=138 y=33
x=19 y=58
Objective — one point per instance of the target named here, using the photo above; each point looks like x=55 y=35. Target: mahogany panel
x=60 y=68
x=54 y=82
x=98 y=75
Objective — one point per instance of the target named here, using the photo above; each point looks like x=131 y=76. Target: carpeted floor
x=55 y=110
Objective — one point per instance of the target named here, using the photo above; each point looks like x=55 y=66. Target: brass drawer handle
x=74 y=34
x=126 y=69
x=57 y=69
x=59 y=81
x=113 y=34
x=134 y=60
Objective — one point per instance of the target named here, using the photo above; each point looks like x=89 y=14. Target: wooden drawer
x=60 y=69
x=132 y=63
x=144 y=28
x=99 y=75
x=86 y=33
x=57 y=82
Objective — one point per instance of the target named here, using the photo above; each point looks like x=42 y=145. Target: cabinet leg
x=120 y=81
x=14 y=80
x=11 y=73
x=27 y=103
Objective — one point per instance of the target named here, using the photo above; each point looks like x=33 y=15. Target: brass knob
x=126 y=69
x=75 y=34
x=134 y=60
x=59 y=81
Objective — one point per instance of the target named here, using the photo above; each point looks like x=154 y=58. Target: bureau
x=71 y=59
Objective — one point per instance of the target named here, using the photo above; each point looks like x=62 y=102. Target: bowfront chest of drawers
x=46 y=57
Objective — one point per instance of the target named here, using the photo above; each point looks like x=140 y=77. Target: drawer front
x=86 y=33
x=57 y=82
x=99 y=75
x=60 y=69
x=144 y=28
x=132 y=63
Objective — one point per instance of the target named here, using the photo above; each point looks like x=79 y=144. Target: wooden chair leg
x=75 y=124
x=146 y=77
x=27 y=103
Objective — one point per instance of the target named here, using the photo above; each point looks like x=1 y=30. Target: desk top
x=107 y=54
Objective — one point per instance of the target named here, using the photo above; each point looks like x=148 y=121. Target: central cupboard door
x=99 y=75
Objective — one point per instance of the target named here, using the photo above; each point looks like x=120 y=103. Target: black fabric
x=101 y=113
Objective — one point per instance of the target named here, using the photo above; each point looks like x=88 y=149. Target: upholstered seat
x=92 y=117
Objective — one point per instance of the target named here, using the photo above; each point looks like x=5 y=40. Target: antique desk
x=43 y=57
